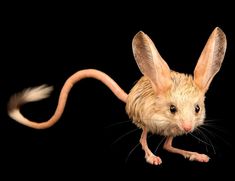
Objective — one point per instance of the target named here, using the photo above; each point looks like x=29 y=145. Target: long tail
x=41 y=92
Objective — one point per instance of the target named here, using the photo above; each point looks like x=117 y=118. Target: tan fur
x=162 y=101
x=149 y=110
x=169 y=103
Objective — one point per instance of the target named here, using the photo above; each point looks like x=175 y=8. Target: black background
x=45 y=44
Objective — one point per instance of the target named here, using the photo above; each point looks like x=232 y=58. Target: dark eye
x=173 y=109
x=197 y=108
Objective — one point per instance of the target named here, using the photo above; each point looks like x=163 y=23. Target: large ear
x=150 y=63
x=210 y=59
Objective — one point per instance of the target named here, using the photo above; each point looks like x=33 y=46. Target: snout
x=187 y=127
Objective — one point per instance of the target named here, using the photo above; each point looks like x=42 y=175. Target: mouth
x=185 y=127
x=180 y=129
x=175 y=131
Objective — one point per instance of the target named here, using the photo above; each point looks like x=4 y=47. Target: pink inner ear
x=151 y=63
x=210 y=59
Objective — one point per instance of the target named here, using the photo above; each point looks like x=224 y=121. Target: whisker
x=215 y=123
x=124 y=135
x=208 y=131
x=133 y=149
x=116 y=124
x=212 y=120
x=218 y=136
x=201 y=134
x=159 y=144
x=199 y=139
x=215 y=127
x=208 y=139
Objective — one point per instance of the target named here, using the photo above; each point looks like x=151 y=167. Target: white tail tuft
x=27 y=95
x=35 y=93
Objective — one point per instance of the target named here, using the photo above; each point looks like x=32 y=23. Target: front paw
x=152 y=159
x=198 y=157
